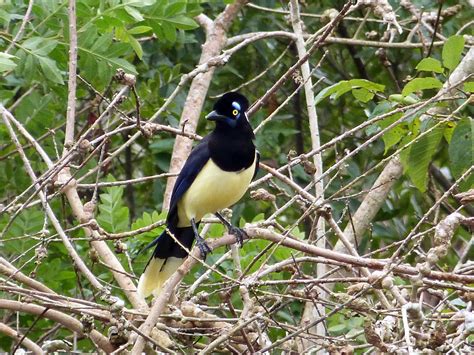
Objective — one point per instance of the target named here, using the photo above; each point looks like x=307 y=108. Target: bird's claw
x=239 y=235
x=203 y=247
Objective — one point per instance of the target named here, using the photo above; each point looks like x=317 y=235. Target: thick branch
x=215 y=41
x=10 y=271
x=372 y=203
x=259 y=233
x=54 y=221
x=71 y=96
x=311 y=311
x=33 y=347
x=61 y=318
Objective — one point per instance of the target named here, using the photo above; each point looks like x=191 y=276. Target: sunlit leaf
x=452 y=51
x=419 y=84
x=430 y=64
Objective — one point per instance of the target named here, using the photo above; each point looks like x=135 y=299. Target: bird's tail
x=166 y=259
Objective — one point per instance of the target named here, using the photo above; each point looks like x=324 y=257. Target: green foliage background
x=159 y=41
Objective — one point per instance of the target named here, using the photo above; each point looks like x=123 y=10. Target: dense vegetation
x=84 y=160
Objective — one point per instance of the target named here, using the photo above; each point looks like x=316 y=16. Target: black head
x=230 y=110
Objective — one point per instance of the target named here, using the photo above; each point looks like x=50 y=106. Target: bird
x=215 y=176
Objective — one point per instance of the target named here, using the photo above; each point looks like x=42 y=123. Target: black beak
x=214 y=116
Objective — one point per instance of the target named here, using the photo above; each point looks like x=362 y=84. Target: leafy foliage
x=421 y=154
x=452 y=51
x=430 y=64
x=461 y=148
x=363 y=90
x=113 y=215
x=159 y=41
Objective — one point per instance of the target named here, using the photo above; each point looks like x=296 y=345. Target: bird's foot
x=239 y=234
x=203 y=247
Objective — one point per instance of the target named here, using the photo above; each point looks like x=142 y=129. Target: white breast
x=213 y=190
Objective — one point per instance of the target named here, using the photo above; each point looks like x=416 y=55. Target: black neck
x=232 y=149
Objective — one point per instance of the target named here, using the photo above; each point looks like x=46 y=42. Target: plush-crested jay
x=215 y=176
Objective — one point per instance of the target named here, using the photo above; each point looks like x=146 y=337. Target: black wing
x=197 y=159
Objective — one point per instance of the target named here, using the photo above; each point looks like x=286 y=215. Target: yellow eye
x=235 y=112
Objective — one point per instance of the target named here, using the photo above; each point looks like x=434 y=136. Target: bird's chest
x=213 y=189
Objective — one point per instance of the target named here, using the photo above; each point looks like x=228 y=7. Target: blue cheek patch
x=236 y=105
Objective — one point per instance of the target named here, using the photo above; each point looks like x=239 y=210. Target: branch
x=205 y=22
x=318 y=43
x=79 y=263
x=61 y=318
x=255 y=36
x=311 y=310
x=215 y=42
x=70 y=189
x=10 y=271
x=30 y=345
x=372 y=203
x=259 y=233
x=71 y=96
x=19 y=34
x=327 y=214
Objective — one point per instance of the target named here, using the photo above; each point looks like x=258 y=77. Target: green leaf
x=183 y=23
x=452 y=51
x=340 y=88
x=6 y=62
x=430 y=64
x=337 y=328
x=113 y=214
x=50 y=70
x=395 y=134
x=5 y=18
x=420 y=157
x=134 y=13
x=136 y=46
x=105 y=55
x=162 y=145
x=145 y=220
x=138 y=30
x=362 y=94
x=175 y=8
x=169 y=32
x=448 y=131
x=367 y=84
x=420 y=84
x=40 y=46
x=461 y=147
x=140 y=3
x=469 y=87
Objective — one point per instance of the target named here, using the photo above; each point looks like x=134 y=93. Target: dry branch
x=215 y=41
x=61 y=318
x=30 y=345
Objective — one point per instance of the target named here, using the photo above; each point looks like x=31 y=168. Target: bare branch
x=30 y=345
x=61 y=318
